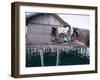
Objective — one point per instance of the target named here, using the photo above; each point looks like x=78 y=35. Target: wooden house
x=39 y=27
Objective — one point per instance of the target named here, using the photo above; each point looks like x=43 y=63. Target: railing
x=56 y=50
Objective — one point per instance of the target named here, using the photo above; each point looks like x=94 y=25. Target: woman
x=54 y=35
x=75 y=35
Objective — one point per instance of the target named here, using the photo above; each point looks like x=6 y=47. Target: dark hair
x=75 y=32
x=54 y=30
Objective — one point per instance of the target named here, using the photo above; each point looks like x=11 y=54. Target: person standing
x=74 y=36
x=54 y=35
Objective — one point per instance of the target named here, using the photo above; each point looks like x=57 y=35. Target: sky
x=78 y=21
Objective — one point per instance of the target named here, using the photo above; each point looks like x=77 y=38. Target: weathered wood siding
x=46 y=19
x=39 y=29
x=38 y=34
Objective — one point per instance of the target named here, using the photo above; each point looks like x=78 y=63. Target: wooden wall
x=39 y=29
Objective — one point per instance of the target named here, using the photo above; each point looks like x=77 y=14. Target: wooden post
x=41 y=56
x=58 y=52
